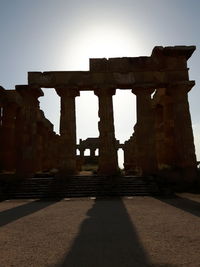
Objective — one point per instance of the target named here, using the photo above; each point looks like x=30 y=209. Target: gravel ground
x=134 y=231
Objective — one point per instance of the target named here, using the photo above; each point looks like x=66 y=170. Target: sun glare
x=100 y=42
x=105 y=43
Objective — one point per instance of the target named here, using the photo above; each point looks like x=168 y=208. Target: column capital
x=105 y=91
x=180 y=87
x=67 y=92
x=142 y=90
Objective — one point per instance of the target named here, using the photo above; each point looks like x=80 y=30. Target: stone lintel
x=174 y=51
x=145 y=63
x=123 y=64
x=93 y=80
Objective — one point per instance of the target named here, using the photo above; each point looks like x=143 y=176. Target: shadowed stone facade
x=162 y=138
x=28 y=143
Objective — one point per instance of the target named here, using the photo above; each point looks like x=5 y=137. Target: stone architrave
x=107 y=143
x=68 y=130
x=145 y=142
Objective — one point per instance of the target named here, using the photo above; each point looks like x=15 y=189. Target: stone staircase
x=85 y=186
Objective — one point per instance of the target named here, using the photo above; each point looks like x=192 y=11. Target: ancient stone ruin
x=162 y=140
x=92 y=145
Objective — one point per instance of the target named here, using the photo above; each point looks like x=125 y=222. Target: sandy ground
x=134 y=231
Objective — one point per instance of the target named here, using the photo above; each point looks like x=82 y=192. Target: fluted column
x=26 y=142
x=107 y=144
x=159 y=135
x=39 y=138
x=1 y=134
x=26 y=130
x=145 y=142
x=8 y=137
x=184 y=149
x=68 y=130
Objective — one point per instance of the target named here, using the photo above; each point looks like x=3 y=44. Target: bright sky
x=48 y=35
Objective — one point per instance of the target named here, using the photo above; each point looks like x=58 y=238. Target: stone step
x=87 y=194
x=80 y=186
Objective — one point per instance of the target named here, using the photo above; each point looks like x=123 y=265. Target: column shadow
x=107 y=238
x=13 y=214
x=182 y=203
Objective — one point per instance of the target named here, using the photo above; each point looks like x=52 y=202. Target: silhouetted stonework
x=162 y=138
x=28 y=143
x=93 y=146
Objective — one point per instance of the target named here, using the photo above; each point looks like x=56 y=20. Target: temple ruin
x=93 y=146
x=162 y=138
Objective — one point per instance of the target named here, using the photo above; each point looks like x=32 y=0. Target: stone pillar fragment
x=145 y=142
x=107 y=143
x=68 y=130
x=130 y=156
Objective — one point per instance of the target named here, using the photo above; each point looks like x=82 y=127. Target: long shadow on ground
x=13 y=214
x=107 y=238
x=182 y=203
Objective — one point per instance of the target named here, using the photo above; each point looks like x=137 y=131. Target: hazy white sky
x=47 y=35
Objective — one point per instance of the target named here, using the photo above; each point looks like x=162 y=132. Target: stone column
x=159 y=135
x=82 y=150
x=169 y=133
x=39 y=137
x=108 y=164
x=185 y=157
x=26 y=143
x=1 y=134
x=145 y=142
x=8 y=137
x=92 y=152
x=27 y=129
x=68 y=130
